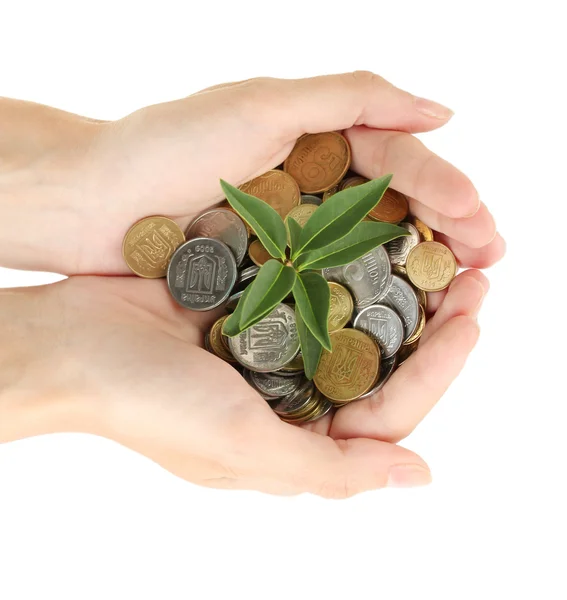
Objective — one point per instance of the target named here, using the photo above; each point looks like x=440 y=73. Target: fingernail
x=408 y=476
x=433 y=109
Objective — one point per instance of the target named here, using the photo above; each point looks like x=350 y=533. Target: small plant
x=334 y=235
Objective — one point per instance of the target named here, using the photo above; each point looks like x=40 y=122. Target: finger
x=392 y=413
x=335 y=102
x=478 y=258
x=435 y=299
x=418 y=172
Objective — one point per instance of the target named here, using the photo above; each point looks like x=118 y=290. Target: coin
x=420 y=326
x=296 y=402
x=258 y=254
x=406 y=351
x=318 y=161
x=424 y=230
x=330 y=192
x=352 y=182
x=368 y=278
x=387 y=367
x=403 y=300
x=402 y=272
x=224 y=225
x=233 y=300
x=302 y=213
x=276 y=188
x=294 y=366
x=399 y=248
x=245 y=277
x=384 y=325
x=351 y=368
x=310 y=199
x=216 y=341
x=431 y=266
x=274 y=385
x=149 y=244
x=393 y=207
x=269 y=344
x=341 y=308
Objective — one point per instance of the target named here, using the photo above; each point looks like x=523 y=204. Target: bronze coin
x=330 y=192
x=258 y=254
x=216 y=342
x=431 y=266
x=393 y=207
x=341 y=308
x=318 y=161
x=352 y=182
x=149 y=244
x=277 y=188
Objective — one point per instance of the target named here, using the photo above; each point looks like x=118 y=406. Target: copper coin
x=318 y=161
x=149 y=244
x=393 y=207
x=330 y=192
x=352 y=182
x=216 y=343
x=351 y=369
x=431 y=266
x=258 y=254
x=277 y=188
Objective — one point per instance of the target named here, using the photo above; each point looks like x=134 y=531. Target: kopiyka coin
x=258 y=254
x=274 y=385
x=318 y=161
x=224 y=225
x=368 y=278
x=402 y=272
x=302 y=213
x=330 y=192
x=149 y=244
x=246 y=276
x=270 y=344
x=296 y=402
x=201 y=274
x=232 y=301
x=341 y=308
x=424 y=231
x=406 y=351
x=420 y=326
x=310 y=199
x=351 y=368
x=403 y=300
x=399 y=248
x=216 y=342
x=393 y=207
x=431 y=266
x=387 y=367
x=384 y=325
x=293 y=367
x=352 y=182
x=277 y=188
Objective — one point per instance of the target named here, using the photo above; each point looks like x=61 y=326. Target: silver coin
x=247 y=274
x=296 y=401
x=399 y=248
x=309 y=199
x=384 y=325
x=270 y=344
x=368 y=278
x=387 y=367
x=274 y=385
x=224 y=225
x=247 y=374
x=327 y=404
x=232 y=302
x=402 y=298
x=201 y=274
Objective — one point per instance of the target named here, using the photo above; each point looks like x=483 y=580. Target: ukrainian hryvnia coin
x=384 y=325
x=351 y=368
x=330 y=192
x=341 y=308
x=201 y=274
x=393 y=207
x=277 y=188
x=420 y=327
x=424 y=231
x=216 y=343
x=352 y=182
x=310 y=199
x=149 y=244
x=275 y=385
x=387 y=367
x=302 y=213
x=403 y=300
x=258 y=254
x=431 y=266
x=399 y=248
x=318 y=161
x=270 y=344
x=223 y=225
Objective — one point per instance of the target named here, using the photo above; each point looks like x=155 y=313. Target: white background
x=81 y=517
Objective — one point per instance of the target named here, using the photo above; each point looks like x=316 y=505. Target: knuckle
x=366 y=79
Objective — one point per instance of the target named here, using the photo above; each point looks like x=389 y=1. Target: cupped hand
x=167 y=159
x=132 y=364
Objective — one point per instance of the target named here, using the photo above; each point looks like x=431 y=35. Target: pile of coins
x=378 y=302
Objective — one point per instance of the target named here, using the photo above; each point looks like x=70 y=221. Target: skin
x=113 y=355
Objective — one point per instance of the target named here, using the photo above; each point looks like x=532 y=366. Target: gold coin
x=295 y=366
x=431 y=266
x=330 y=192
x=302 y=213
x=424 y=231
x=351 y=368
x=318 y=161
x=258 y=254
x=393 y=207
x=342 y=306
x=276 y=188
x=216 y=341
x=419 y=329
x=352 y=182
x=149 y=244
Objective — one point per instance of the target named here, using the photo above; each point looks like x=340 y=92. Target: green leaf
x=362 y=239
x=311 y=349
x=231 y=326
x=313 y=300
x=294 y=230
x=264 y=220
x=338 y=216
x=272 y=284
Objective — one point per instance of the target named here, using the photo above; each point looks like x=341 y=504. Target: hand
x=117 y=357
x=168 y=159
